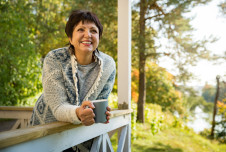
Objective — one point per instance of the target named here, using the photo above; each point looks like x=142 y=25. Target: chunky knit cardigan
x=59 y=99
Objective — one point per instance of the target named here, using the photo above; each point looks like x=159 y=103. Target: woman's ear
x=70 y=39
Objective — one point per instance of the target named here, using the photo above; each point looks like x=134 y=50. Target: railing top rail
x=9 y=138
x=14 y=108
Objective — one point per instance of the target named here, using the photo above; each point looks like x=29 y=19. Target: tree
x=221 y=133
x=52 y=17
x=169 y=19
x=30 y=29
x=220 y=130
x=191 y=102
x=222 y=6
x=208 y=93
x=19 y=74
x=161 y=89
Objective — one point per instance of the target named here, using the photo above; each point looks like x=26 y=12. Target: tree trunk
x=142 y=90
x=142 y=60
x=215 y=107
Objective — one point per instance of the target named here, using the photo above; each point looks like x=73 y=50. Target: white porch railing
x=59 y=136
x=21 y=114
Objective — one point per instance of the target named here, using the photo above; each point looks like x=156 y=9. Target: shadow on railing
x=59 y=136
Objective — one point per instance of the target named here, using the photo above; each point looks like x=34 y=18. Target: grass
x=170 y=140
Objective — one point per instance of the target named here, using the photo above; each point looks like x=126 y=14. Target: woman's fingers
x=88 y=104
x=108 y=109
x=88 y=122
x=87 y=117
x=108 y=114
x=85 y=113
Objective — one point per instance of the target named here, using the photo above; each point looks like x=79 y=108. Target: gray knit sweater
x=60 y=97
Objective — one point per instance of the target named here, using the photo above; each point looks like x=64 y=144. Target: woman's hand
x=108 y=114
x=85 y=114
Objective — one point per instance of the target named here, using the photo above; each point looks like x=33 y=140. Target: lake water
x=200 y=120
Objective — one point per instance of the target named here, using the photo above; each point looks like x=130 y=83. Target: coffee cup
x=100 y=110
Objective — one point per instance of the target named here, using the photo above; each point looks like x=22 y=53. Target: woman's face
x=85 y=37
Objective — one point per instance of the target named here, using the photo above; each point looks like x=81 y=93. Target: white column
x=124 y=63
x=124 y=54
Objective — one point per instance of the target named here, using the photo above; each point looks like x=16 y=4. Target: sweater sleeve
x=108 y=86
x=55 y=92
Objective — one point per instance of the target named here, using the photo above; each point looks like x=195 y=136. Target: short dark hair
x=81 y=15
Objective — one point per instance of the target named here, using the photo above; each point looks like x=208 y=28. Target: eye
x=94 y=31
x=80 y=29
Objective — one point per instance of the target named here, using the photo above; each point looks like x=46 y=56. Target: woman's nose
x=87 y=33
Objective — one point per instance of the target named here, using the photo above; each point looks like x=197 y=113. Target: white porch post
x=124 y=64
x=124 y=54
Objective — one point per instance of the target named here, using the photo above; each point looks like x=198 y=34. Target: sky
x=208 y=21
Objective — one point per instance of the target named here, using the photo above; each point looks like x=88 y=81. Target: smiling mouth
x=86 y=42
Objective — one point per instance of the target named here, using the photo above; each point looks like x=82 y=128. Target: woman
x=75 y=75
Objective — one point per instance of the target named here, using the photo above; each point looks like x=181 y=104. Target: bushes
x=160 y=88
x=155 y=118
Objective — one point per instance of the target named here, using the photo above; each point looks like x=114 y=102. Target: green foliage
x=220 y=130
x=49 y=18
x=160 y=89
x=206 y=133
x=113 y=100
x=29 y=30
x=208 y=93
x=168 y=20
x=222 y=94
x=173 y=140
x=154 y=117
x=191 y=102
x=156 y=120
x=20 y=67
x=222 y=6
x=165 y=132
